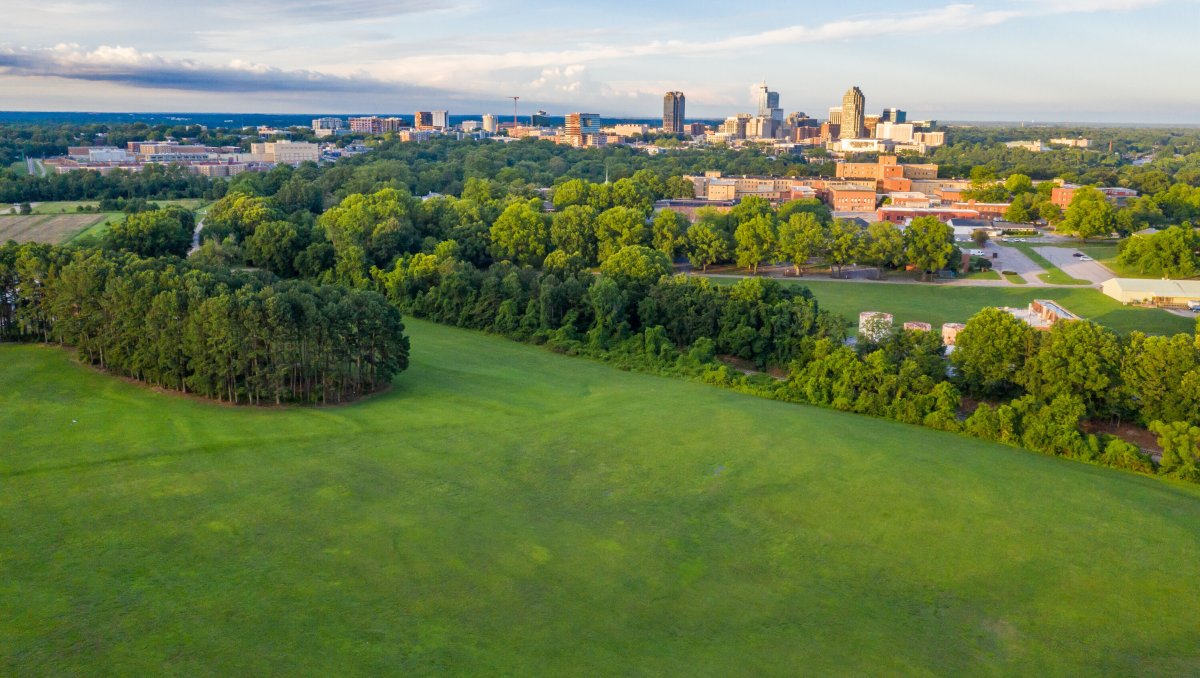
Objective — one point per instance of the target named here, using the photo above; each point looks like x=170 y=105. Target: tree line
x=235 y=337
x=1040 y=390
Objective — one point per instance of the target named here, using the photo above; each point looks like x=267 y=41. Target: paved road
x=1063 y=258
x=196 y=236
x=1013 y=259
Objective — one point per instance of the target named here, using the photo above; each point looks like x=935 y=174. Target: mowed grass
x=47 y=228
x=507 y=511
x=945 y=303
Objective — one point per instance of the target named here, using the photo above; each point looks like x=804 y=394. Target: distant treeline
x=231 y=336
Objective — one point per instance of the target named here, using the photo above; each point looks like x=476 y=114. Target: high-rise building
x=441 y=119
x=324 y=127
x=583 y=129
x=870 y=122
x=539 y=119
x=423 y=120
x=673 y=105
x=768 y=103
x=853 y=107
x=375 y=125
x=835 y=115
x=893 y=115
x=490 y=123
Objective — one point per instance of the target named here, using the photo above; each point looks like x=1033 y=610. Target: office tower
x=582 y=123
x=583 y=129
x=490 y=124
x=894 y=115
x=870 y=122
x=539 y=119
x=441 y=119
x=853 y=105
x=423 y=120
x=768 y=104
x=835 y=116
x=673 y=105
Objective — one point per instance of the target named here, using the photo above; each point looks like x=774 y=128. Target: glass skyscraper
x=673 y=104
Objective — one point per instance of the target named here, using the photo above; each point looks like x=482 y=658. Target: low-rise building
x=1072 y=143
x=1176 y=293
x=909 y=199
x=286 y=152
x=1041 y=314
x=850 y=197
x=1035 y=146
x=1117 y=195
x=887 y=167
x=989 y=210
x=903 y=215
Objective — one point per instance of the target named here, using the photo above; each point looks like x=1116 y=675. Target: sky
x=1027 y=60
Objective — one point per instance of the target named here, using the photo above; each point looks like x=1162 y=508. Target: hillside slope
x=507 y=511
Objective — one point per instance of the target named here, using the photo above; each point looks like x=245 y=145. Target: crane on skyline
x=514 y=109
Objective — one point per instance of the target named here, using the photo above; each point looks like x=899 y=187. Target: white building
x=325 y=127
x=490 y=124
x=285 y=152
x=441 y=119
x=1155 y=292
x=901 y=132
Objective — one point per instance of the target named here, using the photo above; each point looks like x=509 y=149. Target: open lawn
x=939 y=304
x=507 y=511
x=47 y=228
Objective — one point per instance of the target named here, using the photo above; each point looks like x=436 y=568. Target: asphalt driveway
x=1063 y=257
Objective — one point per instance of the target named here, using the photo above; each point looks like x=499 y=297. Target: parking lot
x=1074 y=266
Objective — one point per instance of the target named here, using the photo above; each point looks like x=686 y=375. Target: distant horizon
x=1100 y=61
x=13 y=115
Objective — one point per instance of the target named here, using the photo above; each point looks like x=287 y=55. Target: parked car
x=1084 y=257
x=1077 y=254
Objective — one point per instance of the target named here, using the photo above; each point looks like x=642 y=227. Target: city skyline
x=998 y=60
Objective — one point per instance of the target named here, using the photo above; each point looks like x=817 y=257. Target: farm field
x=59 y=222
x=69 y=206
x=939 y=304
x=47 y=228
x=507 y=511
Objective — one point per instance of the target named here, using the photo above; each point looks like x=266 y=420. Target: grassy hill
x=507 y=511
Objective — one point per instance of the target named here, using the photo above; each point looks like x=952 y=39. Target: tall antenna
x=514 y=110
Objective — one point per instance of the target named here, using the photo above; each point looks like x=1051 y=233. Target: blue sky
x=1078 y=60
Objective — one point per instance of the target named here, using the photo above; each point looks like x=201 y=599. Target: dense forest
x=239 y=337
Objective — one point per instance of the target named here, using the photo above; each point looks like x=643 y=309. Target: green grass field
x=944 y=303
x=507 y=511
